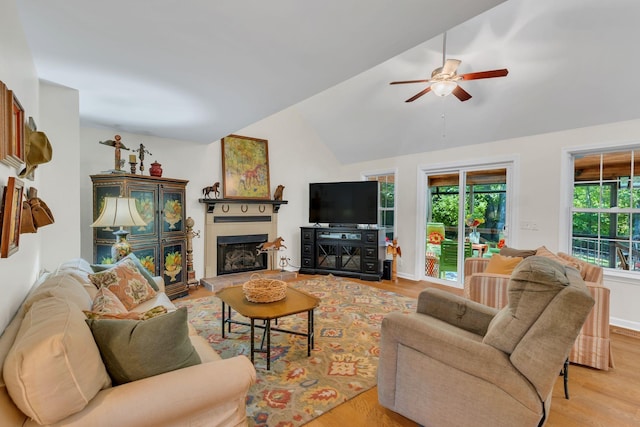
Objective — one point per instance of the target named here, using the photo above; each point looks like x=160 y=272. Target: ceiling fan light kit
x=444 y=87
x=444 y=79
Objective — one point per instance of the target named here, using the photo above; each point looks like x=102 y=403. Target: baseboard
x=628 y=327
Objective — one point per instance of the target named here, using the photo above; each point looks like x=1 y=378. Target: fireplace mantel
x=237 y=217
x=211 y=203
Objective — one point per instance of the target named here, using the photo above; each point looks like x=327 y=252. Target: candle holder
x=133 y=167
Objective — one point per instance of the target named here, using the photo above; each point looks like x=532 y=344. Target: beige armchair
x=456 y=362
x=593 y=345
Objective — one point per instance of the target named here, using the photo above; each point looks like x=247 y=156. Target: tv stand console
x=342 y=251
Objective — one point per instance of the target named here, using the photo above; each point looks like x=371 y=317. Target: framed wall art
x=16 y=146
x=11 y=212
x=5 y=122
x=13 y=144
x=245 y=168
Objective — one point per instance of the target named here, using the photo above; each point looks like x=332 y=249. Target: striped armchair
x=593 y=346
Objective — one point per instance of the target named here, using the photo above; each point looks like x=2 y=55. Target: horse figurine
x=275 y=245
x=211 y=189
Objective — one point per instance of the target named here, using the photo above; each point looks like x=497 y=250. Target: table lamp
x=119 y=212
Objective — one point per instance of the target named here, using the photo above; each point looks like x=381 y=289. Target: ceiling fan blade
x=418 y=95
x=450 y=66
x=410 y=81
x=485 y=74
x=461 y=94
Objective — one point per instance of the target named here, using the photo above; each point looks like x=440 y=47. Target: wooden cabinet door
x=171 y=211
x=146 y=197
x=173 y=266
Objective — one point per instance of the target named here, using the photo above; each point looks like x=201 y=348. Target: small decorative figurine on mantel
x=211 y=189
x=277 y=195
x=118 y=145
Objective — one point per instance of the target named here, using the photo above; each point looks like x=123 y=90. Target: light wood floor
x=597 y=398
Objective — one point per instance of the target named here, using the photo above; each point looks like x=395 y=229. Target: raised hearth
x=214 y=284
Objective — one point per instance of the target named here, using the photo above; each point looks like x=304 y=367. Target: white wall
x=17 y=71
x=58 y=180
x=538 y=191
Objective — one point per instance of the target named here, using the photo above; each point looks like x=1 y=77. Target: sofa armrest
x=159 y=282
x=489 y=289
x=210 y=394
x=455 y=310
x=475 y=265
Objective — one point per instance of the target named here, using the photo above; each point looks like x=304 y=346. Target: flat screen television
x=343 y=203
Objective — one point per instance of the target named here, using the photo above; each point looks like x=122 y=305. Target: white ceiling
x=202 y=69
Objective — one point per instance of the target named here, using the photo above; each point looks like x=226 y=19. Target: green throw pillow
x=136 y=349
x=147 y=275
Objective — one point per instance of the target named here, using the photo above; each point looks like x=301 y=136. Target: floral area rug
x=342 y=365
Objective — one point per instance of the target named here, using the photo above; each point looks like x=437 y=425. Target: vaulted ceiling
x=200 y=70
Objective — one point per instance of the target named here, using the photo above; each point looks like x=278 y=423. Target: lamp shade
x=443 y=88
x=119 y=212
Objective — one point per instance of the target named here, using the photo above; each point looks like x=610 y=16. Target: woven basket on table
x=259 y=289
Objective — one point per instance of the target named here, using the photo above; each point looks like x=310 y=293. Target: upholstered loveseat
x=54 y=372
x=593 y=345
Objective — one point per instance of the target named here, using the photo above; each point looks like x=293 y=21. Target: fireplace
x=238 y=254
x=233 y=230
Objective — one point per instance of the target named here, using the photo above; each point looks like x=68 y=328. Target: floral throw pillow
x=126 y=282
x=107 y=302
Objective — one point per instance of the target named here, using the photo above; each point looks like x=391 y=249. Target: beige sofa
x=456 y=362
x=593 y=345
x=75 y=389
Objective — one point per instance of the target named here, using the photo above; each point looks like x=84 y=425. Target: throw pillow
x=54 y=367
x=143 y=270
x=505 y=251
x=136 y=349
x=107 y=302
x=126 y=282
x=499 y=264
x=544 y=252
x=133 y=315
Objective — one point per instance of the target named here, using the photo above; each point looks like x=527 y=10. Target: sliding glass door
x=466 y=216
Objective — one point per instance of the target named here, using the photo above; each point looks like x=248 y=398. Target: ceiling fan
x=444 y=80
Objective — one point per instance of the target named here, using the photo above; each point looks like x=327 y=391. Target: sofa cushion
x=126 y=282
x=79 y=269
x=63 y=286
x=136 y=349
x=141 y=268
x=54 y=367
x=533 y=284
x=499 y=264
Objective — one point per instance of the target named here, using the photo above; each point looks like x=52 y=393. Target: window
x=605 y=211
x=387 y=206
